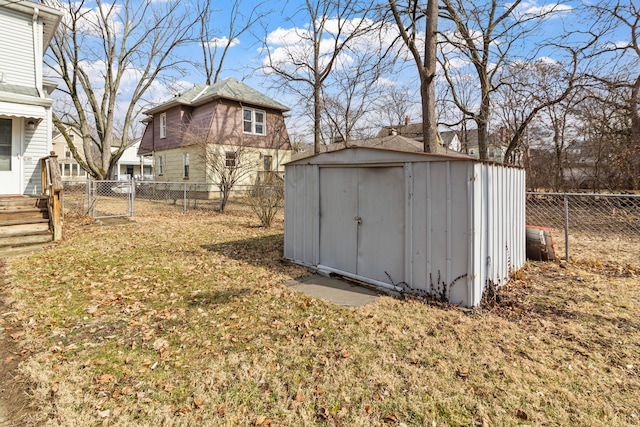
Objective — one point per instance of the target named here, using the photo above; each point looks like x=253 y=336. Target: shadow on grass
x=218 y=297
x=264 y=251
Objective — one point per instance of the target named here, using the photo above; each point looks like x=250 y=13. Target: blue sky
x=285 y=19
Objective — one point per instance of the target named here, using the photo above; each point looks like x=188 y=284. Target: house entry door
x=10 y=152
x=362 y=221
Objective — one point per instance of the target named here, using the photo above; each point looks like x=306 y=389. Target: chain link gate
x=110 y=199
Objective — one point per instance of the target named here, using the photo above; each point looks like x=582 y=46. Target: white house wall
x=20 y=70
x=36 y=146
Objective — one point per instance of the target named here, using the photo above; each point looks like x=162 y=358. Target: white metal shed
x=439 y=224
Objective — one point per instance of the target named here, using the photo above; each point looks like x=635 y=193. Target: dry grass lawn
x=185 y=321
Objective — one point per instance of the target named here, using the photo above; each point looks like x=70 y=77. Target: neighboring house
x=448 y=140
x=70 y=169
x=131 y=165
x=496 y=148
x=228 y=117
x=26 y=29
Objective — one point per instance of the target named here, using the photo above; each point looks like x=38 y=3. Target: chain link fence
x=104 y=199
x=589 y=226
x=584 y=226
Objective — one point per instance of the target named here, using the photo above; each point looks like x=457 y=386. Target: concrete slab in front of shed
x=334 y=290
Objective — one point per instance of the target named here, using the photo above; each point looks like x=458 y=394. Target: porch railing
x=52 y=186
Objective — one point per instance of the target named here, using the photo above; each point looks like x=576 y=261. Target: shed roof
x=228 y=89
x=394 y=143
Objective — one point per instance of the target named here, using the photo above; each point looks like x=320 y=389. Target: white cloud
x=531 y=9
x=222 y=41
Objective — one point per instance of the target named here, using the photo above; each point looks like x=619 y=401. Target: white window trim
x=163 y=125
x=185 y=166
x=253 y=121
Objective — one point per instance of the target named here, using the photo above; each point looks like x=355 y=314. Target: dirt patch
x=14 y=404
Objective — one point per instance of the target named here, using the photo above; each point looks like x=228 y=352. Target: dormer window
x=253 y=121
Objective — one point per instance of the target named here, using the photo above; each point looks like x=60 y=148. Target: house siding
x=36 y=147
x=17 y=58
x=172 y=163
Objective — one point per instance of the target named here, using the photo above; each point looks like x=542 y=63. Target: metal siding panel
x=309 y=212
x=439 y=229
x=338 y=208
x=418 y=228
x=408 y=221
x=459 y=232
x=290 y=203
x=381 y=244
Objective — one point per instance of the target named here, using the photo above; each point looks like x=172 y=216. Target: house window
x=67 y=154
x=185 y=165
x=5 y=144
x=163 y=125
x=253 y=121
x=231 y=159
x=268 y=161
x=160 y=166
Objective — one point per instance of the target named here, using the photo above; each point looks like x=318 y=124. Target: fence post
x=88 y=194
x=566 y=227
x=184 y=199
x=133 y=197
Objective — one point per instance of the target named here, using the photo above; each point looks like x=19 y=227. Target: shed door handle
x=358 y=220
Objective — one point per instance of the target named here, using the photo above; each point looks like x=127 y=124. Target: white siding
x=16 y=46
x=35 y=148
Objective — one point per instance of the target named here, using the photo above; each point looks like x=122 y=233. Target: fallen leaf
x=197 y=403
x=105 y=378
x=261 y=420
x=522 y=415
x=463 y=372
x=104 y=414
x=299 y=396
x=391 y=417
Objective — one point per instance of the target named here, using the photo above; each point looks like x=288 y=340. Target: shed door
x=362 y=221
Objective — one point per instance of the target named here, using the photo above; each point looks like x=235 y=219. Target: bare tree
x=484 y=36
x=350 y=96
x=395 y=105
x=107 y=57
x=215 y=43
x=410 y=18
x=621 y=19
x=225 y=165
x=305 y=58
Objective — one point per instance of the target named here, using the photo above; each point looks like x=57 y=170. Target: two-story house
x=26 y=29
x=241 y=126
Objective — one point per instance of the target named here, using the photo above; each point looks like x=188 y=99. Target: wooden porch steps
x=24 y=225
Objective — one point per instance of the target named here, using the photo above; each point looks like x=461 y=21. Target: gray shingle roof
x=19 y=90
x=228 y=89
